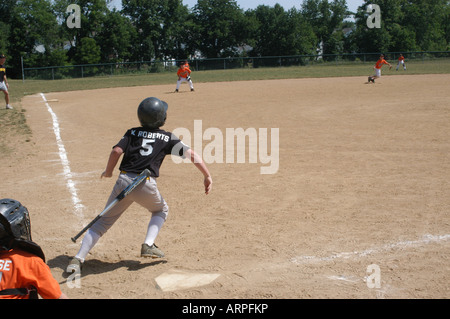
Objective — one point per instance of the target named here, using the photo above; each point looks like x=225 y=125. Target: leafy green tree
x=429 y=20
x=88 y=51
x=159 y=25
x=221 y=27
x=176 y=20
x=373 y=39
x=280 y=32
x=146 y=16
x=159 y=29
x=405 y=26
x=4 y=31
x=326 y=19
x=401 y=39
x=446 y=13
x=187 y=46
x=93 y=14
x=116 y=38
x=301 y=38
x=57 y=57
x=6 y=6
x=27 y=20
x=272 y=24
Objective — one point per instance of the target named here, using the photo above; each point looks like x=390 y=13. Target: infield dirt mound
x=363 y=179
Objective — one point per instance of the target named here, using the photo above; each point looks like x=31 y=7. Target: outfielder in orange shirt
x=401 y=61
x=184 y=75
x=381 y=61
x=23 y=271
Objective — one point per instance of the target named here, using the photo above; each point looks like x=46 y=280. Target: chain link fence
x=143 y=67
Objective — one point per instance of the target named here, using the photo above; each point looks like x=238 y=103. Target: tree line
x=145 y=30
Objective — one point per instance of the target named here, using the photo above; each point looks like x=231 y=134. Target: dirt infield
x=363 y=179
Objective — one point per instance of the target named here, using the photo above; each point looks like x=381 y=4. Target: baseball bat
x=135 y=183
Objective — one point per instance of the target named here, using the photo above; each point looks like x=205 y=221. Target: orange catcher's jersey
x=19 y=269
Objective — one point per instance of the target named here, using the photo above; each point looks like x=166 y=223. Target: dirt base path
x=361 y=178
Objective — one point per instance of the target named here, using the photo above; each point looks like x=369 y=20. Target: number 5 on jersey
x=147 y=148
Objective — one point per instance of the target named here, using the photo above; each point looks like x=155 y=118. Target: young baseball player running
x=143 y=147
x=381 y=61
x=184 y=75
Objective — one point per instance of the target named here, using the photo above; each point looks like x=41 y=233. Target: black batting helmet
x=152 y=112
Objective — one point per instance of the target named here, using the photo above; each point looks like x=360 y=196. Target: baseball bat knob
x=74 y=239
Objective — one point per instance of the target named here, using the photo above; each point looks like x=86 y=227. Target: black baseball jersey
x=146 y=149
x=2 y=72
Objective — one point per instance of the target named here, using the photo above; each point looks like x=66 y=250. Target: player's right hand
x=208 y=184
x=105 y=174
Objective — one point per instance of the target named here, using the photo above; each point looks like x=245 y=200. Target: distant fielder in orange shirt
x=381 y=61
x=184 y=75
x=23 y=271
x=401 y=61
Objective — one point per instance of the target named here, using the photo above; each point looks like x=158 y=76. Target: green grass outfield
x=18 y=88
x=12 y=122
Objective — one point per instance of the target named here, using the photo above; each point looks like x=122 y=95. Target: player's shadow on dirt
x=95 y=267
x=179 y=92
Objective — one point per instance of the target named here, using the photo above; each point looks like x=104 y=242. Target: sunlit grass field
x=20 y=88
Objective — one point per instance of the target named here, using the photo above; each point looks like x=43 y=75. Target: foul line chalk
x=64 y=161
x=427 y=239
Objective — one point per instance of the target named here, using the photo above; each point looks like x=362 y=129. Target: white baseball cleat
x=75 y=265
x=151 y=251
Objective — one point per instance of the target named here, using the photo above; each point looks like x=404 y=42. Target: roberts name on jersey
x=152 y=135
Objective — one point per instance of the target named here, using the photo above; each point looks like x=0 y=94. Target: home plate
x=177 y=279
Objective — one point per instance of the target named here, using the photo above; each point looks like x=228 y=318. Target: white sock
x=154 y=226
x=89 y=241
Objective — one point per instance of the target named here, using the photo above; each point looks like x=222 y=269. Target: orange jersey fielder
x=184 y=71
x=380 y=63
x=20 y=269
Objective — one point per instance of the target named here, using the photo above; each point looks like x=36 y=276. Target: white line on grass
x=65 y=162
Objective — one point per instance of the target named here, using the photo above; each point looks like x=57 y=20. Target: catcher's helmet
x=152 y=112
x=15 y=228
x=14 y=220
